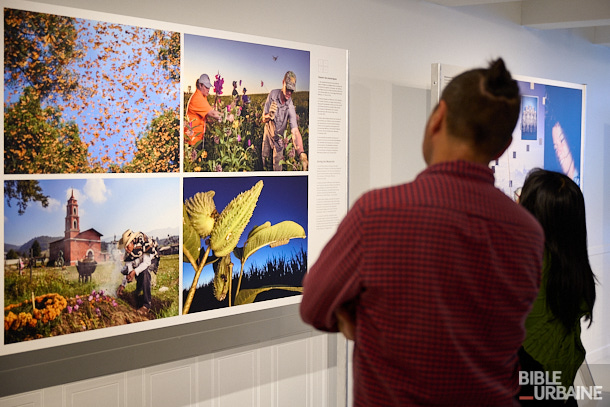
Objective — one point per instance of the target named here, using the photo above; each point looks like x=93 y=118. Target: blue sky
x=235 y=60
x=109 y=206
x=282 y=198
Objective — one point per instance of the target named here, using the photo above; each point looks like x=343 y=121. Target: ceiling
x=591 y=15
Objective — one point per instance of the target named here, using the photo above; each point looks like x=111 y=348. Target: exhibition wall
x=392 y=45
x=96 y=106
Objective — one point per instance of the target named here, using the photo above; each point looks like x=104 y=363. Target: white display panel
x=550 y=133
x=100 y=133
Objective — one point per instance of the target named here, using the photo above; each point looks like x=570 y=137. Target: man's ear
x=437 y=117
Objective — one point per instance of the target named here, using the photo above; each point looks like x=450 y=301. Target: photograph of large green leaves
x=244 y=240
x=84 y=96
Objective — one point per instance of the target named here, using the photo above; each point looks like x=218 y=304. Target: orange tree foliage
x=37 y=141
x=37 y=50
x=169 y=53
x=104 y=79
x=158 y=150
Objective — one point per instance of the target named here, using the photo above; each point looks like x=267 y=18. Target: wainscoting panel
x=172 y=384
x=291 y=373
x=295 y=371
x=108 y=391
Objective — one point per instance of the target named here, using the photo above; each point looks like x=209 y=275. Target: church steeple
x=72 y=218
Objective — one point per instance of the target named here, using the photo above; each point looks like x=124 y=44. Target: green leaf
x=248 y=296
x=275 y=235
x=223 y=271
x=191 y=242
x=257 y=229
x=238 y=252
x=233 y=220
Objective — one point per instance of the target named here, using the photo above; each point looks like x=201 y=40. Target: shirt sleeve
x=198 y=106
x=146 y=261
x=292 y=115
x=334 y=279
x=267 y=104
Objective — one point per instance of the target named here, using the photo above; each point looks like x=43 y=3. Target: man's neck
x=453 y=149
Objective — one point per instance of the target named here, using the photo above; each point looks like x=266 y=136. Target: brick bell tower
x=72 y=218
x=72 y=227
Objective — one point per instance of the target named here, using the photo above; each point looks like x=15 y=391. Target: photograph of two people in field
x=246 y=106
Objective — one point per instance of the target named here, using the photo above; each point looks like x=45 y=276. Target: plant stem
x=231 y=285
x=191 y=294
x=241 y=273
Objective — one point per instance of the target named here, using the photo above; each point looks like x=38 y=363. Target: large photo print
x=89 y=254
x=549 y=135
x=245 y=240
x=246 y=106
x=85 y=96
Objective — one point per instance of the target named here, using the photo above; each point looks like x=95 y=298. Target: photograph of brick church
x=76 y=245
x=85 y=254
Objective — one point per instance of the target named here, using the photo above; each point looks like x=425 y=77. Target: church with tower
x=76 y=245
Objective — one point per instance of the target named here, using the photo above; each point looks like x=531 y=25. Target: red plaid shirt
x=442 y=272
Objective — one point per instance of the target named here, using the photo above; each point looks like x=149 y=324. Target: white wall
x=392 y=45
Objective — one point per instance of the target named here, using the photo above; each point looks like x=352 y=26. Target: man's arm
x=298 y=140
x=298 y=145
x=146 y=261
x=270 y=107
x=270 y=113
x=199 y=105
x=214 y=115
x=296 y=137
x=143 y=265
x=334 y=280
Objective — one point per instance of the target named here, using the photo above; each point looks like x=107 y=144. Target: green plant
x=235 y=143
x=221 y=233
x=291 y=161
x=64 y=305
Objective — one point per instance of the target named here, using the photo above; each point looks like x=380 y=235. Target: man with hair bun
x=433 y=279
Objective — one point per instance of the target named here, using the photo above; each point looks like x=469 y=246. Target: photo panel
x=66 y=268
x=245 y=240
x=244 y=80
x=88 y=96
x=550 y=132
x=98 y=173
x=563 y=128
x=539 y=139
x=526 y=151
x=529 y=118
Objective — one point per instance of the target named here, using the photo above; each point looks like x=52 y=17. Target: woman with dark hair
x=567 y=290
